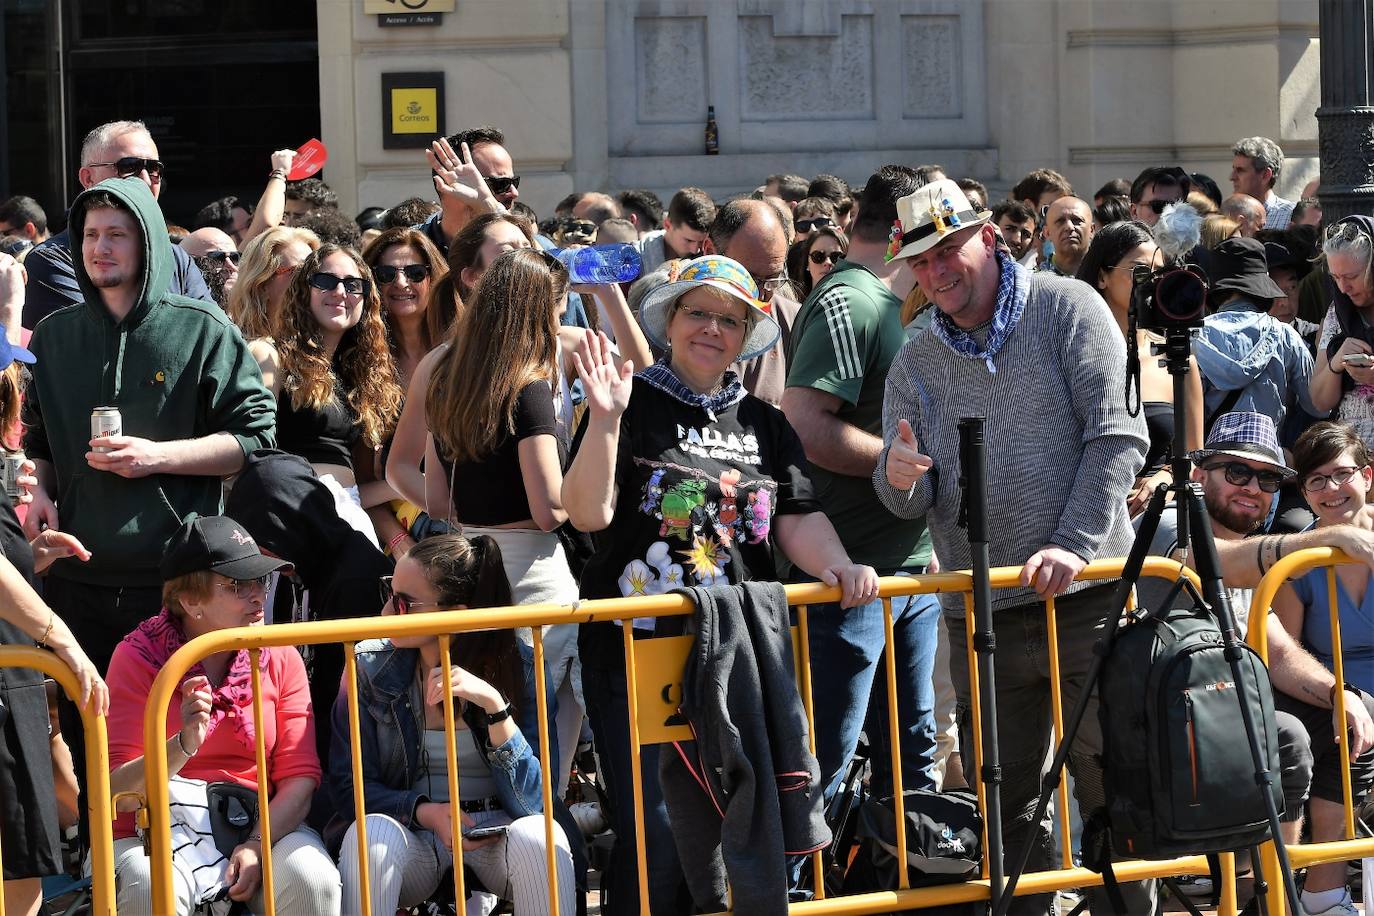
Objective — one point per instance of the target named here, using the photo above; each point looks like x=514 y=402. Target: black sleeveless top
x=324 y=435
x=1159 y=423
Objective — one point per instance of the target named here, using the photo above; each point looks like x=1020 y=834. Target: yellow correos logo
x=414 y=111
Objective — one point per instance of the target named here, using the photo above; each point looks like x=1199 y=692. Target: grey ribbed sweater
x=1062 y=450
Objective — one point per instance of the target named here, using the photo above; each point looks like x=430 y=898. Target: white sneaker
x=1345 y=908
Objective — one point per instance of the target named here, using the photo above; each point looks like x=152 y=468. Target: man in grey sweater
x=1042 y=359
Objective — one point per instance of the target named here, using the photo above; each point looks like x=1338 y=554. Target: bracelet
x=180 y=744
x=43 y=640
x=1331 y=698
x=254 y=836
x=277 y=173
x=391 y=544
x=503 y=715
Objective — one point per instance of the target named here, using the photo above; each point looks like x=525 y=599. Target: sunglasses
x=502 y=185
x=327 y=283
x=1159 y=205
x=247 y=588
x=403 y=603
x=232 y=257
x=1239 y=474
x=415 y=273
x=820 y=257
x=125 y=166
x=1318 y=482
x=820 y=222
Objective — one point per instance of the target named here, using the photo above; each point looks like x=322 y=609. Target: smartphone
x=482 y=833
x=1360 y=360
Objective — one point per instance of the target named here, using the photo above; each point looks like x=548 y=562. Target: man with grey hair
x=1246 y=210
x=596 y=207
x=118 y=149
x=1256 y=163
x=752 y=232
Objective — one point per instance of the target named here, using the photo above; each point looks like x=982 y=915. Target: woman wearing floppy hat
x=689 y=481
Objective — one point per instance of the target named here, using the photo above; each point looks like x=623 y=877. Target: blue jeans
x=608 y=712
x=849 y=689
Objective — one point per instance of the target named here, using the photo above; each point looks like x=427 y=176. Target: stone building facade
x=611 y=94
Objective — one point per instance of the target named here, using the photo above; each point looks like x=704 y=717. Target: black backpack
x=1178 y=775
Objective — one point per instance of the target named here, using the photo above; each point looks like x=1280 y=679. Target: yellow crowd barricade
x=96 y=792
x=1291 y=567
x=653 y=669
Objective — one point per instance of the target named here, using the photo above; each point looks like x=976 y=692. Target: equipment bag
x=944 y=841
x=1179 y=777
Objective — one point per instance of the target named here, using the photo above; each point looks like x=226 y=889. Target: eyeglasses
x=247 y=588
x=385 y=273
x=502 y=185
x=820 y=257
x=1239 y=474
x=1159 y=205
x=231 y=256
x=704 y=317
x=1315 y=483
x=403 y=603
x=770 y=286
x=820 y=222
x=327 y=283
x=125 y=166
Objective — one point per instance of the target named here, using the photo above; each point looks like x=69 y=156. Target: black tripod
x=1192 y=517
x=973 y=516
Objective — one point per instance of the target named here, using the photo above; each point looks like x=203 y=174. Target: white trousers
x=405 y=866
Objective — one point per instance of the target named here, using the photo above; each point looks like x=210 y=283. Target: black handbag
x=233 y=814
x=944 y=840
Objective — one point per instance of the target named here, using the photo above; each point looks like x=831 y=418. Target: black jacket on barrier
x=751 y=756
x=291 y=514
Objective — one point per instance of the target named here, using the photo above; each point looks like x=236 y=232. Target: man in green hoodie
x=190 y=396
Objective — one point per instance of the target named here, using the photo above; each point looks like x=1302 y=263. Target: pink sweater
x=289 y=730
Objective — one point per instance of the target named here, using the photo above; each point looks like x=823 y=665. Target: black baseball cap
x=219 y=544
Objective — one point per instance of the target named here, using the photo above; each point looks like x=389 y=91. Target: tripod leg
x=1130 y=574
x=1209 y=571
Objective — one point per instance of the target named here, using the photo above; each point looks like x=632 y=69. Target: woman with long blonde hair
x=330 y=367
x=264 y=273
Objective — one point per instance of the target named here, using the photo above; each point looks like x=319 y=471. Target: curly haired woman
x=330 y=367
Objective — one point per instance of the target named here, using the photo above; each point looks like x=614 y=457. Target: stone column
x=1345 y=120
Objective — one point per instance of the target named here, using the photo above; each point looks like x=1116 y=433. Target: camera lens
x=1180 y=295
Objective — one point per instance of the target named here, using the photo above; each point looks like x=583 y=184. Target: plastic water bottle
x=619 y=263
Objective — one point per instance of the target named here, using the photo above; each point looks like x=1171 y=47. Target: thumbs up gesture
x=905 y=463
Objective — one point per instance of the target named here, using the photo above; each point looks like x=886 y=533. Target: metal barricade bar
x=1257 y=636
x=441 y=623
x=99 y=810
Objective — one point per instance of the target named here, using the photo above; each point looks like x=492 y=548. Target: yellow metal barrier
x=97 y=788
x=646 y=721
x=1257 y=635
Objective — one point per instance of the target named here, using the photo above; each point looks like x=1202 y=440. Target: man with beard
x=1240 y=469
x=1069 y=227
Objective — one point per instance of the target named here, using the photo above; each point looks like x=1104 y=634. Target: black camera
x=1169 y=297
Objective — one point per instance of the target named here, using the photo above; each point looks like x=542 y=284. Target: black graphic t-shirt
x=697 y=495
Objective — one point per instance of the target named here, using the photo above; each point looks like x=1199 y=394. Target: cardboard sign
x=310 y=158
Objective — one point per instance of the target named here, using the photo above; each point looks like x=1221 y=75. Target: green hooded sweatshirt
x=175 y=367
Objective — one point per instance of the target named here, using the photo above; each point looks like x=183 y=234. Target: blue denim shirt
x=391 y=727
x=1241 y=347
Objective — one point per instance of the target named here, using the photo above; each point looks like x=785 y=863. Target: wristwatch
x=501 y=716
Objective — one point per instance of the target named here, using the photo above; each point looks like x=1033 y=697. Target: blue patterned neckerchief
x=662 y=377
x=1013 y=288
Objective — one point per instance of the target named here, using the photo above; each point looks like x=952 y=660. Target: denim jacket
x=1243 y=348
x=391 y=726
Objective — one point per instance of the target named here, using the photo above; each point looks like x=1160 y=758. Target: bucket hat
x=1238 y=265
x=719 y=273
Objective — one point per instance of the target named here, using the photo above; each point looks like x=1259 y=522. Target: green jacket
x=175 y=367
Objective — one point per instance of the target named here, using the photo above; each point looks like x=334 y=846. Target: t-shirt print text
x=708 y=443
